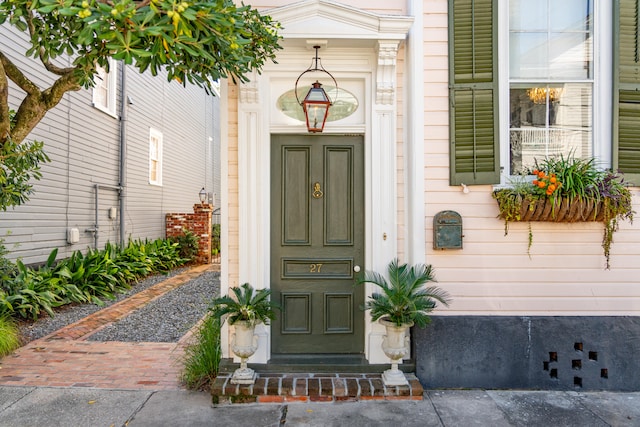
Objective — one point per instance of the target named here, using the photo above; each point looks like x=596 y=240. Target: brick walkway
x=65 y=359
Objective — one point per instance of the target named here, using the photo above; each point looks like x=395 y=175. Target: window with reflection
x=344 y=103
x=550 y=80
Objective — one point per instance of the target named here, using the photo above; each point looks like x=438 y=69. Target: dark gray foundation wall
x=552 y=353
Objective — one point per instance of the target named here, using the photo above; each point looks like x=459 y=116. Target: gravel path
x=69 y=314
x=167 y=318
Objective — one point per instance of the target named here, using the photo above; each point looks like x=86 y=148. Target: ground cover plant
x=9 y=335
x=28 y=293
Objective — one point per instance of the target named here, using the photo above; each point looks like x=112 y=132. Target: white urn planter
x=395 y=344
x=244 y=343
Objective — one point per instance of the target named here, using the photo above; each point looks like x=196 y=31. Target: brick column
x=199 y=223
x=202 y=228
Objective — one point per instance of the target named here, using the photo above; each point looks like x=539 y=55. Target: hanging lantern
x=316 y=104
x=316 y=107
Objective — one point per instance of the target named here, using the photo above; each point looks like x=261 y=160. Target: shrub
x=7 y=268
x=188 y=244
x=215 y=239
x=202 y=357
x=9 y=335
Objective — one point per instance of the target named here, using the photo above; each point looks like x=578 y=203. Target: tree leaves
x=208 y=40
x=18 y=165
x=198 y=42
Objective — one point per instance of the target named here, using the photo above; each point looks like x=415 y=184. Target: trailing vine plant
x=568 y=189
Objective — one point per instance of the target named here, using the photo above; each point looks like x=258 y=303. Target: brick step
x=310 y=387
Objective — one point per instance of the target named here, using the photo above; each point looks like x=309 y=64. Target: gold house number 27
x=315 y=268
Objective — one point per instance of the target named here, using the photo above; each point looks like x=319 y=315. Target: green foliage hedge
x=89 y=278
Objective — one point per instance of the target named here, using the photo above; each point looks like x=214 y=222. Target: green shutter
x=473 y=92
x=626 y=88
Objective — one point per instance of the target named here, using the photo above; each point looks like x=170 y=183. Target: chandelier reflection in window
x=538 y=95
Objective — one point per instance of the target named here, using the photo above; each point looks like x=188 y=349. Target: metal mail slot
x=447 y=230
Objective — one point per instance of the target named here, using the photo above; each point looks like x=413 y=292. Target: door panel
x=295 y=201
x=317 y=238
x=339 y=199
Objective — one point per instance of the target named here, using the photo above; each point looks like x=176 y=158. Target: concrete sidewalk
x=39 y=406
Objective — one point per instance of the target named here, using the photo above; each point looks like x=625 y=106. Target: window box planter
x=568 y=190
x=551 y=210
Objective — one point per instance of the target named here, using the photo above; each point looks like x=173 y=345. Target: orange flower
x=535 y=182
x=553 y=179
x=542 y=184
x=551 y=188
x=535 y=171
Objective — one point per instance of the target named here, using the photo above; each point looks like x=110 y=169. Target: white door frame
x=366 y=53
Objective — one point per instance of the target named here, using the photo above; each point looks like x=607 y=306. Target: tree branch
x=47 y=64
x=143 y=3
x=54 y=94
x=5 y=121
x=53 y=68
x=34 y=106
x=16 y=76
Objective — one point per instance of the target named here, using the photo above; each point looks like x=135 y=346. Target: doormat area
x=279 y=388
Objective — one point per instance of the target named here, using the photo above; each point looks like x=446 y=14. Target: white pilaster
x=253 y=184
x=224 y=213
x=383 y=235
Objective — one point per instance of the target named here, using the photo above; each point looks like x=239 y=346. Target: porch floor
x=310 y=387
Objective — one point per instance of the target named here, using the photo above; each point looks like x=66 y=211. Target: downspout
x=121 y=168
x=414 y=126
x=123 y=148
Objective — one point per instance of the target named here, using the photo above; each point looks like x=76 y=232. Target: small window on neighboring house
x=104 y=91
x=155 y=157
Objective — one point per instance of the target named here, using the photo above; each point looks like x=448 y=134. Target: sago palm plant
x=404 y=299
x=249 y=305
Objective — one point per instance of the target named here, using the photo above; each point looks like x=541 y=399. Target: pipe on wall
x=121 y=167
x=124 y=101
x=96 y=226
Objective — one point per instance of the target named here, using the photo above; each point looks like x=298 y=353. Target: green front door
x=317 y=241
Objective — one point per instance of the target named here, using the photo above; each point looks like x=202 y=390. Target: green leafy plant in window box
x=568 y=189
